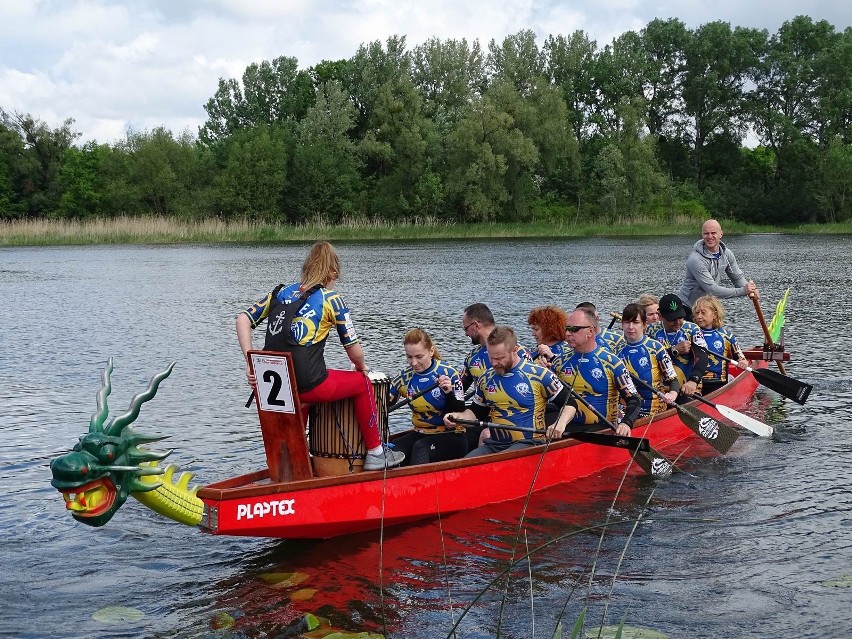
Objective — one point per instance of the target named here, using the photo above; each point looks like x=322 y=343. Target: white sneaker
x=387 y=457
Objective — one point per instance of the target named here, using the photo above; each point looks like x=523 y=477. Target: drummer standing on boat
x=300 y=317
x=709 y=259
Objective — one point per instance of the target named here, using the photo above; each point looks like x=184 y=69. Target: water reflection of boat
x=305 y=492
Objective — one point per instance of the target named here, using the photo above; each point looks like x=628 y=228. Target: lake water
x=755 y=544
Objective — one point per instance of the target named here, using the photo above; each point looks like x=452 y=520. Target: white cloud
x=114 y=64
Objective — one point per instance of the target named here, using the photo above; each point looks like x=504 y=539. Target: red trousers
x=342 y=385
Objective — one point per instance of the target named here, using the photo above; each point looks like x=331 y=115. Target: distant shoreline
x=157 y=230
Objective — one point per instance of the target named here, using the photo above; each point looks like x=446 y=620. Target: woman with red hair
x=547 y=324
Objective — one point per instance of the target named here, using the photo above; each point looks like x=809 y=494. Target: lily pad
x=627 y=632
x=222 y=620
x=845 y=581
x=118 y=614
x=284 y=579
x=303 y=594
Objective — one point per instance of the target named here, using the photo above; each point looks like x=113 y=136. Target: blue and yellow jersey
x=517 y=398
x=652 y=328
x=324 y=310
x=649 y=361
x=477 y=362
x=688 y=331
x=600 y=378
x=427 y=411
x=611 y=339
x=720 y=341
x=560 y=349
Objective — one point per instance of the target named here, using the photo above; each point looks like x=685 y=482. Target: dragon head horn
x=96 y=424
x=117 y=424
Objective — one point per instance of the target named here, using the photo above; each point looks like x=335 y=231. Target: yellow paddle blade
x=778 y=319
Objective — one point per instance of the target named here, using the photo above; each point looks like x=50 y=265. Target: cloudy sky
x=118 y=64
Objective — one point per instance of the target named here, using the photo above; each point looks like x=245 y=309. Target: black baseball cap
x=671 y=307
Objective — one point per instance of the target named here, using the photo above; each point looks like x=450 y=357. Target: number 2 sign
x=274 y=387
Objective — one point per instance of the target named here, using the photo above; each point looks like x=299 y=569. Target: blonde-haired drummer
x=430 y=441
x=300 y=317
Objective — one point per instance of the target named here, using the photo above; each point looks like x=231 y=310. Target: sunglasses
x=574 y=329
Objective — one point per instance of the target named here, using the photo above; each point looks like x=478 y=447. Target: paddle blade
x=777 y=322
x=653 y=463
x=720 y=436
x=783 y=384
x=749 y=423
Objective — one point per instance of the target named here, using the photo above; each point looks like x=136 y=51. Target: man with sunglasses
x=597 y=375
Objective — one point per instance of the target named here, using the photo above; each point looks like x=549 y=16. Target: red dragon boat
x=309 y=493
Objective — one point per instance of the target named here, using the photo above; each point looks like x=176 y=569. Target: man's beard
x=475 y=340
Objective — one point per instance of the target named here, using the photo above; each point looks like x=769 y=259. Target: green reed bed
x=160 y=230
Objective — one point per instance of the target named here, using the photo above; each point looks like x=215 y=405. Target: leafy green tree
x=491 y=159
x=368 y=70
x=568 y=66
x=448 y=74
x=540 y=121
x=620 y=73
x=253 y=177
x=516 y=60
x=399 y=152
x=834 y=88
x=163 y=171
x=275 y=92
x=85 y=182
x=325 y=182
x=784 y=103
x=663 y=43
x=610 y=180
x=41 y=161
x=646 y=184
x=719 y=61
x=12 y=178
x=833 y=188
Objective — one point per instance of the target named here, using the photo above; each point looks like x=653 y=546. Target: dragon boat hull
x=253 y=505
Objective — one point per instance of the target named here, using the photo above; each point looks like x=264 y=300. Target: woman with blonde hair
x=651 y=305
x=300 y=317
x=708 y=313
x=430 y=441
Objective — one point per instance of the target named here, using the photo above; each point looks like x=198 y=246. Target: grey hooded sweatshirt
x=704 y=274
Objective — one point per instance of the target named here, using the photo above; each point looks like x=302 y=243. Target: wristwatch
x=695 y=379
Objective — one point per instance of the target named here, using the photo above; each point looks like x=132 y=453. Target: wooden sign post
x=280 y=416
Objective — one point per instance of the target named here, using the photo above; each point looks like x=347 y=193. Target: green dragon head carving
x=103 y=468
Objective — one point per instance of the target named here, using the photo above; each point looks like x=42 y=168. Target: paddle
x=615 y=317
x=782 y=384
x=408 y=400
x=651 y=462
x=629 y=443
x=765 y=328
x=720 y=436
x=749 y=423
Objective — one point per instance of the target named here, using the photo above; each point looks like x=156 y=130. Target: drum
x=334 y=439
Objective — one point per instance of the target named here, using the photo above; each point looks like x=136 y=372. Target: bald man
x=706 y=263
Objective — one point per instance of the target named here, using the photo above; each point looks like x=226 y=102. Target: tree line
x=655 y=124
